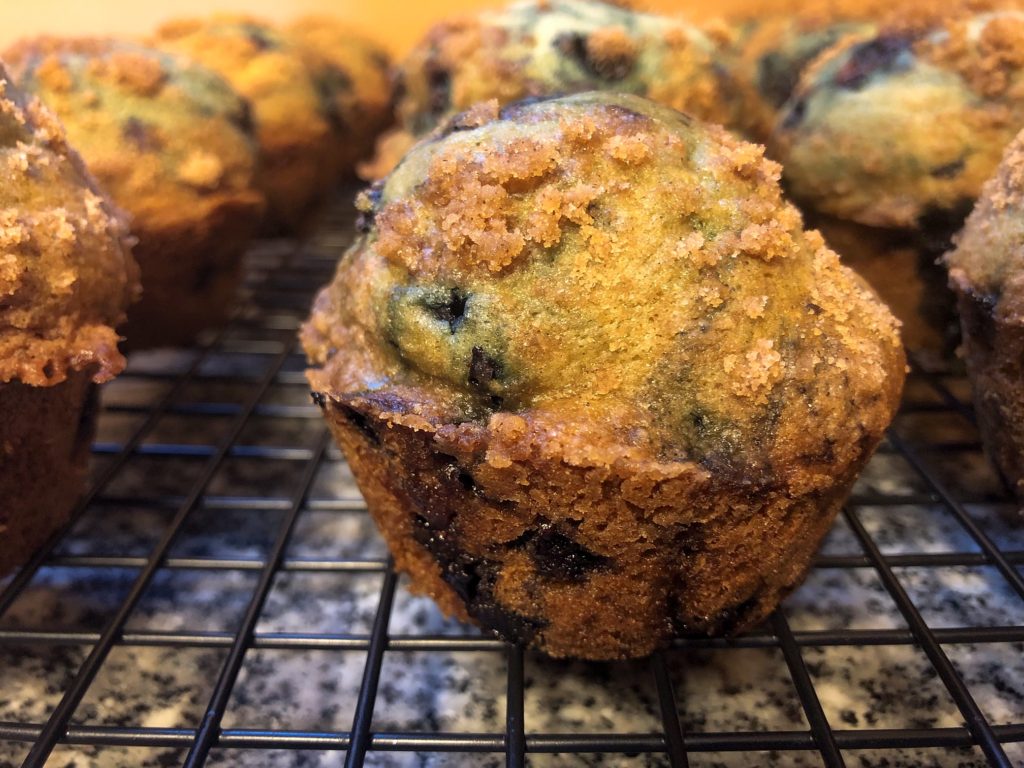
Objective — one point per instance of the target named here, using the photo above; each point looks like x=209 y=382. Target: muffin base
x=190 y=275
x=592 y=562
x=994 y=349
x=45 y=433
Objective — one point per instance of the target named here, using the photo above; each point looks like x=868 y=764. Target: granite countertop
x=718 y=689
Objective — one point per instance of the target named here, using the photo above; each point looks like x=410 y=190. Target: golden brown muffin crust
x=66 y=273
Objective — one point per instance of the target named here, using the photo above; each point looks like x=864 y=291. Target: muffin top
x=989 y=256
x=606 y=278
x=264 y=67
x=166 y=138
x=540 y=48
x=354 y=76
x=900 y=125
x=766 y=57
x=66 y=271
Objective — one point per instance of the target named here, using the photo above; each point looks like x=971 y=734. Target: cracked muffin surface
x=596 y=383
x=172 y=143
x=986 y=271
x=291 y=114
x=66 y=279
x=900 y=127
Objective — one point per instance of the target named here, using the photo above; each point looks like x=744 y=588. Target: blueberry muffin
x=596 y=383
x=986 y=270
x=900 y=127
x=172 y=144
x=354 y=76
x=66 y=278
x=767 y=56
x=291 y=115
x=539 y=48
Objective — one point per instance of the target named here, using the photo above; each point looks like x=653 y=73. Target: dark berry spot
x=360 y=422
x=777 y=77
x=463 y=477
x=795 y=114
x=573 y=45
x=949 y=170
x=140 y=134
x=506 y=624
x=439 y=82
x=258 y=38
x=463 y=577
x=243 y=119
x=329 y=84
x=319 y=398
x=778 y=73
x=978 y=315
x=451 y=310
x=701 y=423
x=884 y=54
x=736 y=616
x=483 y=369
x=559 y=558
x=814 y=308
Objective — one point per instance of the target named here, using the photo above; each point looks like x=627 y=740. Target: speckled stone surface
x=718 y=689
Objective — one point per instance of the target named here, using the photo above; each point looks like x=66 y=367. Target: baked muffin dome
x=596 y=383
x=540 y=48
x=66 y=278
x=986 y=271
x=353 y=74
x=768 y=55
x=66 y=275
x=900 y=128
x=292 y=118
x=172 y=143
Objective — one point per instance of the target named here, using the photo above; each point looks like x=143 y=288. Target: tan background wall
x=396 y=22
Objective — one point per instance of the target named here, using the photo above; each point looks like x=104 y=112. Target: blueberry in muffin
x=172 y=144
x=596 y=383
x=66 y=279
x=986 y=271
x=290 y=112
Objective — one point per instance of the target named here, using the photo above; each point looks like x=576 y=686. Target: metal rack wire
x=257 y=355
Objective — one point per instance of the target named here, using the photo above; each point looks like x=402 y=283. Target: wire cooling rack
x=222 y=599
